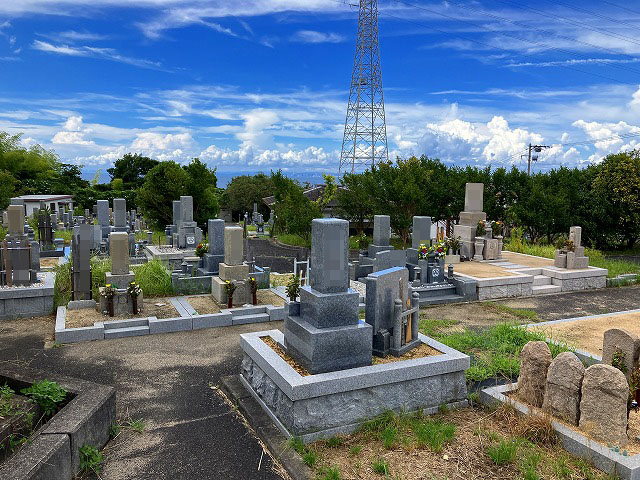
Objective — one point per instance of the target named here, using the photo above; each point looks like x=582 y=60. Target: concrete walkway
x=168 y=381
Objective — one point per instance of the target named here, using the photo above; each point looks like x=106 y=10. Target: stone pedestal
x=242 y=295
x=479 y=248
x=491 y=251
x=323 y=332
x=122 y=303
x=121 y=280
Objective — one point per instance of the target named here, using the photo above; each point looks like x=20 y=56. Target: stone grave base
x=233 y=272
x=122 y=303
x=327 y=404
x=173 y=257
x=120 y=281
x=34 y=301
x=604 y=458
x=241 y=296
x=187 y=285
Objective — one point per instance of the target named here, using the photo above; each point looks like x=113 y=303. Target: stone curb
x=186 y=322
x=85 y=420
x=264 y=427
x=605 y=459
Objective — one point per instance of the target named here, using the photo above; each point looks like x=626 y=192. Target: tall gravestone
x=233 y=269
x=120 y=275
x=15 y=256
x=215 y=255
x=120 y=215
x=81 y=243
x=572 y=259
x=104 y=218
x=323 y=332
x=469 y=218
x=381 y=235
x=189 y=234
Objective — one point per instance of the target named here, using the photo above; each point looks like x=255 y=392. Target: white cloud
x=95 y=52
x=73 y=134
x=150 y=142
x=248 y=156
x=311 y=36
x=635 y=101
x=256 y=122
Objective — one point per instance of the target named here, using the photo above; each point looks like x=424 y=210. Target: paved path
x=165 y=380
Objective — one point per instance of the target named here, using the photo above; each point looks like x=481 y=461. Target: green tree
x=202 y=186
x=617 y=185
x=245 y=190
x=294 y=211
x=355 y=200
x=164 y=183
x=7 y=188
x=131 y=168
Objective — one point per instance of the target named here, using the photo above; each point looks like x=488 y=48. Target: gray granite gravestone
x=81 y=242
x=189 y=234
x=215 y=256
x=323 y=332
x=15 y=253
x=120 y=215
x=120 y=275
x=393 y=331
x=103 y=218
x=469 y=218
x=381 y=235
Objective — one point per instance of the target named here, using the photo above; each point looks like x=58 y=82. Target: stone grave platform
x=29 y=301
x=168 y=254
x=327 y=404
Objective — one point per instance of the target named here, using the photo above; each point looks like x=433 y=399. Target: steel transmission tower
x=365 y=130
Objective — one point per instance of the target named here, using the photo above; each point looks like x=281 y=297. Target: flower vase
x=110 y=306
x=134 y=305
x=230 y=302
x=255 y=298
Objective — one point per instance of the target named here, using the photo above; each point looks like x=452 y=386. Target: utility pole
x=535 y=149
x=365 y=130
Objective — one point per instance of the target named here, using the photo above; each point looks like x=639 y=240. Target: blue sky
x=253 y=85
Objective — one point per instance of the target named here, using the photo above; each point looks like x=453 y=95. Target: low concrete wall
x=19 y=302
x=85 y=420
x=332 y=403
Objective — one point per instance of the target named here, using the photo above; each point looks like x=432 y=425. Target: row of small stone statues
x=566 y=390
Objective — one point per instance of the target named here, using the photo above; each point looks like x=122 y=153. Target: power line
x=620 y=6
x=572 y=22
x=548 y=32
x=533 y=42
x=599 y=15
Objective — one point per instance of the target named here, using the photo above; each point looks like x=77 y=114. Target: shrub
x=62 y=284
x=49 y=395
x=154 y=279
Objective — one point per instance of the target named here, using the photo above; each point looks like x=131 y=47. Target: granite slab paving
x=190 y=433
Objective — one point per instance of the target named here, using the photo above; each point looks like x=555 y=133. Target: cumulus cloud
x=150 y=141
x=248 y=156
x=73 y=134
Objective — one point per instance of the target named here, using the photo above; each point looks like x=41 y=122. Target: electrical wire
x=598 y=15
x=620 y=6
x=516 y=37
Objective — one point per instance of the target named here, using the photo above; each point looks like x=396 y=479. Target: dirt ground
x=49 y=262
x=468 y=315
x=204 y=304
x=153 y=307
x=588 y=334
x=527 y=260
x=482 y=270
x=465 y=457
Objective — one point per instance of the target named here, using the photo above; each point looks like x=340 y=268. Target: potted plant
x=229 y=288
x=454 y=244
x=497 y=228
x=363 y=243
x=423 y=252
x=293 y=291
x=438 y=250
x=481 y=229
x=253 y=286
x=109 y=293
x=134 y=290
x=201 y=249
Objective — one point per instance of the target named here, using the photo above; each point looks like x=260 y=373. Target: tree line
x=603 y=198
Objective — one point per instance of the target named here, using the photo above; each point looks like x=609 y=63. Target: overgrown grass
x=495 y=352
x=295 y=240
x=503 y=452
x=596 y=257
x=158 y=237
x=529 y=316
x=64 y=234
x=154 y=279
x=62 y=284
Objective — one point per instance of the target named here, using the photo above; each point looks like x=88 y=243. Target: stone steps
x=439 y=299
x=544 y=289
x=126 y=332
x=251 y=318
x=540 y=280
x=119 y=324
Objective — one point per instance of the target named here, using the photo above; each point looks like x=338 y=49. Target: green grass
x=295 y=240
x=503 y=452
x=330 y=473
x=596 y=258
x=495 y=352
x=308 y=454
x=99 y=269
x=434 y=434
x=380 y=466
x=158 y=237
x=334 y=442
x=64 y=234
x=154 y=279
x=529 y=316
